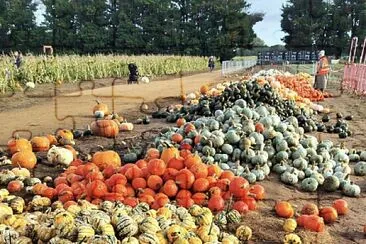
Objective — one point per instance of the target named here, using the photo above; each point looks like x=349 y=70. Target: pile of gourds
x=254 y=137
x=113 y=222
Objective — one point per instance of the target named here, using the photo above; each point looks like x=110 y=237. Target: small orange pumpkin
x=52 y=139
x=284 y=209
x=15 y=186
x=204 y=89
x=180 y=122
x=125 y=126
x=184 y=179
x=169 y=153
x=310 y=209
x=26 y=159
x=101 y=107
x=106 y=158
x=17 y=144
x=329 y=214
x=259 y=127
x=65 y=137
x=40 y=143
x=341 y=206
x=156 y=167
x=105 y=128
x=96 y=189
x=152 y=153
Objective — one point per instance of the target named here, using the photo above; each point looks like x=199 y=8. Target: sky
x=269 y=30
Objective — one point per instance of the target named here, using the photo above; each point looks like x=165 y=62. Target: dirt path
x=43 y=115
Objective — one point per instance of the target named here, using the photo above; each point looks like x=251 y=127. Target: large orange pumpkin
x=17 y=144
x=105 y=128
x=204 y=89
x=169 y=153
x=40 y=143
x=105 y=159
x=26 y=159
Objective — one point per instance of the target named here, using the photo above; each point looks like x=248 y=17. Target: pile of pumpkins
x=113 y=222
x=253 y=137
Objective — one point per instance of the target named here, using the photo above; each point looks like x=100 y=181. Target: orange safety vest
x=324 y=69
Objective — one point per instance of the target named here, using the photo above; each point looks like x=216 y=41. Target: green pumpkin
x=260 y=158
x=282 y=146
x=289 y=178
x=319 y=177
x=130 y=157
x=363 y=156
x=300 y=163
x=236 y=154
x=220 y=157
x=232 y=137
x=354 y=157
x=316 y=159
x=309 y=184
x=233 y=217
x=227 y=148
x=331 y=183
x=281 y=156
x=351 y=190
x=360 y=169
x=259 y=174
x=208 y=151
x=249 y=176
x=280 y=168
x=217 y=141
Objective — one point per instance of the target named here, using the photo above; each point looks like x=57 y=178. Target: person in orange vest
x=322 y=70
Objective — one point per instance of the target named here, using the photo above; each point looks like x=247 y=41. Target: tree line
x=323 y=24
x=192 y=27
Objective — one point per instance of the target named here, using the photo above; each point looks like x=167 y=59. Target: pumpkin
x=130 y=240
x=52 y=139
x=105 y=159
x=341 y=206
x=175 y=231
x=351 y=190
x=21 y=172
x=85 y=232
x=309 y=184
x=125 y=126
x=15 y=186
x=258 y=191
x=60 y=155
x=329 y=214
x=184 y=179
x=17 y=144
x=101 y=107
x=192 y=159
x=331 y=183
x=239 y=187
x=26 y=159
x=233 y=217
x=243 y=233
x=156 y=167
x=199 y=170
x=168 y=154
x=45 y=232
x=310 y=209
x=105 y=128
x=65 y=137
x=40 y=143
x=360 y=169
x=204 y=89
x=284 y=209
x=96 y=189
x=292 y=239
x=216 y=203
x=180 y=122
x=289 y=225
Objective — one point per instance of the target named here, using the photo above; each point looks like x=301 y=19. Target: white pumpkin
x=145 y=80
x=60 y=155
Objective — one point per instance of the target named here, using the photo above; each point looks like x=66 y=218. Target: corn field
x=73 y=68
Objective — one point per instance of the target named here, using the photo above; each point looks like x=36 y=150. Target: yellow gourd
x=289 y=225
x=244 y=233
x=292 y=239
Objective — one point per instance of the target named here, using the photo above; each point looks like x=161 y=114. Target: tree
x=18 y=23
x=257 y=42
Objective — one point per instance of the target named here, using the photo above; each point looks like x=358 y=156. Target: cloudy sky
x=268 y=30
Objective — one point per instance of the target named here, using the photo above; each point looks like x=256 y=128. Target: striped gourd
x=205 y=218
x=148 y=238
x=99 y=218
x=107 y=229
x=138 y=217
x=17 y=204
x=165 y=223
x=233 y=216
x=85 y=232
x=151 y=213
x=182 y=213
x=107 y=206
x=103 y=239
x=230 y=239
x=188 y=222
x=117 y=214
x=164 y=212
x=149 y=224
x=126 y=226
x=140 y=208
x=74 y=210
x=195 y=210
x=58 y=240
x=130 y=240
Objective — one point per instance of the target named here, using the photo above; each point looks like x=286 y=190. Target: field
x=73 y=68
x=41 y=113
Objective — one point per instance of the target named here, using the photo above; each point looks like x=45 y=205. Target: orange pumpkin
x=341 y=206
x=204 y=89
x=185 y=202
x=154 y=182
x=169 y=153
x=40 y=144
x=176 y=137
x=139 y=183
x=216 y=203
x=259 y=127
x=201 y=185
x=131 y=201
x=311 y=222
x=188 y=127
x=96 y=189
x=180 y=122
x=106 y=158
x=133 y=172
x=227 y=174
x=52 y=139
x=310 y=209
x=192 y=159
x=238 y=186
x=105 y=128
x=257 y=191
x=200 y=198
x=26 y=159
x=65 y=137
x=214 y=170
x=284 y=209
x=17 y=144
x=156 y=167
x=199 y=170
x=329 y=214
x=185 y=179
x=152 y=153
x=170 y=188
x=101 y=107
x=15 y=186
x=39 y=188
x=176 y=163
x=170 y=174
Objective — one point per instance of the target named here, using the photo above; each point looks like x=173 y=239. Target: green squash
x=208 y=151
x=280 y=168
x=223 y=158
x=281 y=156
x=354 y=157
x=259 y=174
x=318 y=177
x=130 y=157
x=289 y=178
x=281 y=146
x=249 y=176
x=331 y=183
x=299 y=153
x=300 y=163
x=360 y=169
x=227 y=148
x=309 y=185
x=236 y=154
x=351 y=190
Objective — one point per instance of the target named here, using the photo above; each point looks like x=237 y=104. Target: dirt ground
x=42 y=115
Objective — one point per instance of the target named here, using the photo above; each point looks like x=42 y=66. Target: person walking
x=211 y=63
x=18 y=59
x=322 y=70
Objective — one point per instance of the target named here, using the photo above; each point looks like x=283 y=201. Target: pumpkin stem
x=97 y=101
